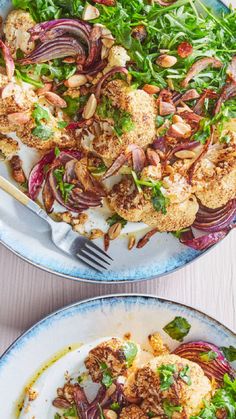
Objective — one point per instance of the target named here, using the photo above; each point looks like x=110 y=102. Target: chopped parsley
x=208 y=356
x=178 y=328
x=185 y=375
x=62 y=124
x=169 y=408
x=57 y=152
x=122 y=119
x=99 y=170
x=130 y=350
x=224 y=398
x=115 y=406
x=116 y=218
x=40 y=116
x=229 y=353
x=64 y=187
x=151 y=414
x=71 y=412
x=107 y=378
x=179 y=233
x=166 y=374
x=159 y=201
x=42 y=131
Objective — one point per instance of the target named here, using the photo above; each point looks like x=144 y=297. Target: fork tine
x=97 y=255
x=90 y=264
x=91 y=244
x=96 y=261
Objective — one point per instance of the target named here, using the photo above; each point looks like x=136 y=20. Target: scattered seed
x=166 y=61
x=132 y=242
x=90 y=12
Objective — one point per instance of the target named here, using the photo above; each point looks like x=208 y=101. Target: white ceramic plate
x=29 y=237
x=84 y=323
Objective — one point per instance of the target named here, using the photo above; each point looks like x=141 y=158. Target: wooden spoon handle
x=14 y=191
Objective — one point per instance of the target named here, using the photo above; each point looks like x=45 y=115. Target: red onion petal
x=216 y=220
x=10 y=65
x=228 y=92
x=37 y=174
x=206 y=241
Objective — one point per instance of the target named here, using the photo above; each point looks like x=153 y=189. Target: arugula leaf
x=185 y=376
x=64 y=187
x=130 y=351
x=169 y=408
x=229 y=353
x=57 y=416
x=107 y=378
x=42 y=131
x=101 y=411
x=116 y=218
x=178 y=328
x=166 y=374
x=24 y=77
x=208 y=356
x=39 y=113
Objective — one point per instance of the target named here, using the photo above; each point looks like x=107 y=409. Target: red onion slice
x=216 y=220
x=48 y=197
x=52 y=29
x=116 y=165
x=204 y=242
x=214 y=369
x=160 y=144
x=199 y=66
x=106 y=76
x=10 y=65
x=37 y=174
x=207 y=94
x=228 y=92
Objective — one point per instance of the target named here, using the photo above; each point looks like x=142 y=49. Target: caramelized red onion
x=37 y=174
x=160 y=144
x=138 y=156
x=107 y=76
x=207 y=94
x=215 y=220
x=231 y=71
x=54 y=28
x=228 y=92
x=116 y=166
x=10 y=65
x=204 y=242
x=199 y=66
x=214 y=369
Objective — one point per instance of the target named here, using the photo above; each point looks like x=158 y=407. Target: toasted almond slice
x=153 y=157
x=9 y=90
x=55 y=100
x=166 y=61
x=18 y=118
x=132 y=242
x=109 y=414
x=177 y=118
x=114 y=231
x=96 y=233
x=76 y=81
x=46 y=88
x=151 y=89
x=90 y=12
x=90 y=107
x=179 y=130
x=185 y=154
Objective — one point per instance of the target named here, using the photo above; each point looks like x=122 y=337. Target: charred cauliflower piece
x=117 y=57
x=16 y=31
x=108 y=357
x=215 y=178
x=132 y=412
x=141 y=110
x=8 y=147
x=188 y=393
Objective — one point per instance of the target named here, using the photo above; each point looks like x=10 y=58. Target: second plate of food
x=119 y=119
x=124 y=356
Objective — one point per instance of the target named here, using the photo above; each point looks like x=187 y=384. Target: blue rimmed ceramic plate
x=42 y=354
x=29 y=238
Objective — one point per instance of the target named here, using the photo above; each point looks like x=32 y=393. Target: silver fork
x=62 y=234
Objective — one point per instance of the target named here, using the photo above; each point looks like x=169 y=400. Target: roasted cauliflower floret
x=139 y=106
x=108 y=356
x=215 y=178
x=8 y=147
x=125 y=199
x=177 y=217
x=16 y=31
x=132 y=412
x=117 y=57
x=177 y=188
x=187 y=388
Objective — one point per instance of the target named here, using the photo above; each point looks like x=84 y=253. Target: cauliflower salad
x=129 y=106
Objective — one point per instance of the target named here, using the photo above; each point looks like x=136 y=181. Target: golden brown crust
x=132 y=412
x=16 y=31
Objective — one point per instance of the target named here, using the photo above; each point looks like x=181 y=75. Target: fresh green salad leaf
x=116 y=218
x=130 y=351
x=71 y=412
x=64 y=187
x=166 y=374
x=229 y=353
x=178 y=328
x=159 y=201
x=185 y=375
x=43 y=132
x=107 y=378
x=122 y=119
x=115 y=406
x=208 y=356
x=39 y=113
x=169 y=408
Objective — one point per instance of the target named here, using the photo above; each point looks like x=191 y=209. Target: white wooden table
x=27 y=293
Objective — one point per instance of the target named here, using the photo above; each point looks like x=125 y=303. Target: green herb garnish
x=101 y=411
x=178 y=328
x=62 y=124
x=71 y=412
x=43 y=132
x=115 y=406
x=57 y=152
x=151 y=414
x=166 y=374
x=57 y=416
x=122 y=119
x=107 y=378
x=208 y=356
x=39 y=113
x=185 y=375
x=116 y=218
x=229 y=353
x=64 y=187
x=130 y=350
x=169 y=408
x=99 y=170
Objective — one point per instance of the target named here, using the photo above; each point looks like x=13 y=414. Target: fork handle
x=12 y=190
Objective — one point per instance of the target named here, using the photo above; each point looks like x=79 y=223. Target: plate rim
x=118 y=296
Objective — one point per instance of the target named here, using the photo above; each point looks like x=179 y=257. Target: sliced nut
x=185 y=154
x=18 y=118
x=166 y=108
x=151 y=89
x=96 y=233
x=9 y=90
x=108 y=42
x=83 y=218
x=69 y=60
x=76 y=81
x=114 y=231
x=55 y=100
x=132 y=242
x=90 y=107
x=90 y=12
x=179 y=130
x=46 y=88
x=153 y=157
x=65 y=216
x=177 y=118
x=166 y=61
x=109 y=414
